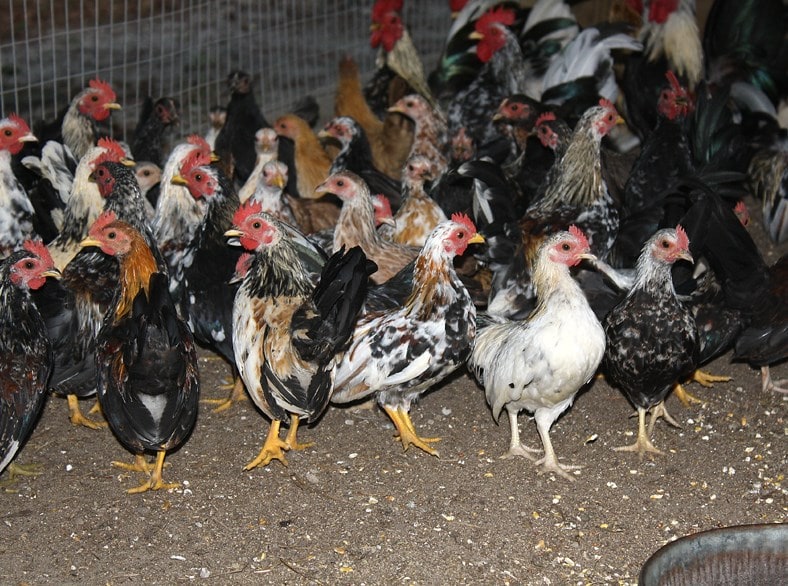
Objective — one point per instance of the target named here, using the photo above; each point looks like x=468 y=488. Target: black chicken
x=156 y=120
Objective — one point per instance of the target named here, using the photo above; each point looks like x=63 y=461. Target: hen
x=399 y=354
x=266 y=144
x=540 y=364
x=16 y=210
x=146 y=361
x=356 y=226
x=430 y=134
x=93 y=104
x=289 y=325
x=25 y=350
x=150 y=136
x=652 y=341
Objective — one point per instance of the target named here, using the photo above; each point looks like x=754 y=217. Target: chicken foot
x=549 y=463
x=517 y=448
x=768 y=384
x=658 y=411
x=407 y=432
x=77 y=418
x=273 y=448
x=140 y=464
x=291 y=440
x=16 y=470
x=155 y=481
x=237 y=395
x=643 y=443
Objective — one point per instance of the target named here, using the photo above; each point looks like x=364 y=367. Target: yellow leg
x=155 y=481
x=407 y=432
x=683 y=396
x=707 y=379
x=273 y=448
x=643 y=444
x=658 y=411
x=140 y=465
x=237 y=395
x=291 y=440
x=76 y=417
x=16 y=470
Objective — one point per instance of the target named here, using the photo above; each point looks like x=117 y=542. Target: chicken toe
x=407 y=432
x=237 y=395
x=516 y=448
x=707 y=379
x=291 y=439
x=77 y=418
x=549 y=463
x=643 y=443
x=155 y=482
x=273 y=448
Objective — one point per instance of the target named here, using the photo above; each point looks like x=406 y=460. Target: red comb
x=40 y=250
x=196 y=158
x=104 y=220
x=742 y=212
x=464 y=220
x=681 y=238
x=673 y=80
x=113 y=151
x=607 y=104
x=19 y=121
x=200 y=142
x=382 y=206
x=546 y=117
x=104 y=88
x=246 y=209
x=579 y=236
x=381 y=7
x=502 y=15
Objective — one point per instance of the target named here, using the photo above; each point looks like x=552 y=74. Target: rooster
x=399 y=354
x=529 y=364
x=26 y=352
x=16 y=210
x=146 y=360
x=356 y=226
x=293 y=314
x=652 y=340
x=93 y=104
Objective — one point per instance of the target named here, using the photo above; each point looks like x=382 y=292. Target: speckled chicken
x=539 y=364
x=16 y=210
x=399 y=354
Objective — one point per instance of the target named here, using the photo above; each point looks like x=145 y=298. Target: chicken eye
x=94 y=98
x=341 y=183
x=30 y=265
x=257 y=225
x=409 y=104
x=198 y=176
x=111 y=235
x=8 y=132
x=460 y=234
x=565 y=247
x=665 y=244
x=146 y=173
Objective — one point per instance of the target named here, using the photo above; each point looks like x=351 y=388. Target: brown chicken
x=356 y=226
x=430 y=132
x=390 y=138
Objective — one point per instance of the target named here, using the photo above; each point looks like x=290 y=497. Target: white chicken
x=540 y=363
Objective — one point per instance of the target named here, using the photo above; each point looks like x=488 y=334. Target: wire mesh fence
x=185 y=48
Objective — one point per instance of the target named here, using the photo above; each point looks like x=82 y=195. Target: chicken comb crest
x=546 y=117
x=246 y=209
x=38 y=248
x=381 y=7
x=196 y=158
x=682 y=240
x=741 y=211
x=200 y=142
x=673 y=81
x=607 y=104
x=502 y=15
x=104 y=88
x=104 y=220
x=18 y=121
x=464 y=220
x=113 y=151
x=577 y=233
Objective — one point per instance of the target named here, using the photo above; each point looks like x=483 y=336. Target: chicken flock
x=548 y=203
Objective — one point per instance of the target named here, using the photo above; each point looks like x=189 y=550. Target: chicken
x=574 y=191
x=539 y=364
x=178 y=213
x=157 y=119
x=269 y=192
x=419 y=213
x=26 y=356
x=93 y=104
x=289 y=325
x=266 y=144
x=16 y=210
x=356 y=226
x=217 y=117
x=397 y=355
x=355 y=155
x=430 y=135
x=652 y=340
x=146 y=360
x=390 y=139
x=84 y=203
x=312 y=163
x=206 y=301
x=149 y=179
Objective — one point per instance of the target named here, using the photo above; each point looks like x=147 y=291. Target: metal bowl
x=731 y=556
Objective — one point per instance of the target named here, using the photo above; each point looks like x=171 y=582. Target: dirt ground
x=356 y=509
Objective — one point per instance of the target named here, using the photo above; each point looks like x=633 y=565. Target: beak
x=395 y=108
x=620 y=121
x=279 y=181
x=321 y=190
x=389 y=221
x=685 y=255
x=29 y=137
x=476 y=36
x=233 y=235
x=178 y=180
x=92 y=178
x=374 y=27
x=476 y=239
x=127 y=162
x=89 y=242
x=53 y=272
x=214 y=157
x=112 y=106
x=587 y=256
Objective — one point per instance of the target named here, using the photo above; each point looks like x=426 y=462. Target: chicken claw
x=769 y=384
x=140 y=464
x=658 y=411
x=291 y=440
x=643 y=444
x=707 y=379
x=236 y=396
x=407 y=432
x=273 y=448
x=77 y=418
x=516 y=448
x=16 y=470
x=155 y=482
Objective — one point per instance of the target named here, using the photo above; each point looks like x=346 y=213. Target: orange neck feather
x=136 y=268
